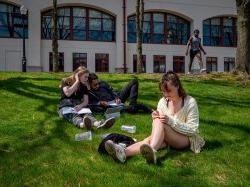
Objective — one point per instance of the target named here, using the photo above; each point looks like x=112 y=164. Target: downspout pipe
x=124 y=38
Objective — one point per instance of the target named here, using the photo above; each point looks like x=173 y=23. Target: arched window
x=160 y=28
x=220 y=31
x=11 y=25
x=80 y=23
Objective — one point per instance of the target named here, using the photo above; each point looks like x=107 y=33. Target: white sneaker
x=203 y=70
x=106 y=124
x=148 y=153
x=116 y=151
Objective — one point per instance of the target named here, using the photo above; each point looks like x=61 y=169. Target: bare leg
x=134 y=149
x=157 y=134
x=156 y=140
x=199 y=57
x=175 y=139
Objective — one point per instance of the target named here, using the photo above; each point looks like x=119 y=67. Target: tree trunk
x=55 y=38
x=139 y=33
x=243 y=36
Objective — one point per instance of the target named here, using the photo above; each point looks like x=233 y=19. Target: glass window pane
x=146 y=27
x=131 y=37
x=64 y=22
x=95 y=35
x=17 y=21
x=4 y=32
x=206 y=22
x=47 y=22
x=79 y=35
x=79 y=23
x=106 y=16
x=79 y=12
x=147 y=17
x=158 y=38
x=64 y=34
x=132 y=18
x=107 y=25
x=63 y=12
x=158 y=17
x=171 y=18
x=215 y=21
x=228 y=36
x=102 y=62
x=3 y=18
x=146 y=38
x=18 y=32
x=107 y=36
x=3 y=8
x=131 y=26
x=159 y=28
x=94 y=14
x=95 y=24
x=228 y=22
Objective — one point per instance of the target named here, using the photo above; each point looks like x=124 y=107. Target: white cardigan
x=185 y=121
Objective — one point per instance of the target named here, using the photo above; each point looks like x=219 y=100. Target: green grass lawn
x=37 y=148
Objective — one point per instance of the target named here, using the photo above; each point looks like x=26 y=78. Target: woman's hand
x=163 y=118
x=118 y=101
x=78 y=107
x=104 y=103
x=155 y=114
x=77 y=77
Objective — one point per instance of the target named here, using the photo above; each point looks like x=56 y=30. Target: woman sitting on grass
x=175 y=124
x=74 y=93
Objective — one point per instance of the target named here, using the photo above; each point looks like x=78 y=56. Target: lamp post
x=23 y=11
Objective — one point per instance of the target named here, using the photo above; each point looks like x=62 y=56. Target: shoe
x=203 y=70
x=148 y=153
x=144 y=108
x=107 y=123
x=116 y=151
x=86 y=122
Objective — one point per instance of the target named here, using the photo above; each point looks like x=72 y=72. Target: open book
x=68 y=110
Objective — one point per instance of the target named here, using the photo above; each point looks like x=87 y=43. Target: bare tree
x=243 y=36
x=139 y=32
x=55 y=38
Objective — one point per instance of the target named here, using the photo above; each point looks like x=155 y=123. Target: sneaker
x=148 y=153
x=203 y=70
x=107 y=123
x=116 y=151
x=86 y=122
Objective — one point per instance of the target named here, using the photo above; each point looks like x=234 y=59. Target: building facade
x=100 y=34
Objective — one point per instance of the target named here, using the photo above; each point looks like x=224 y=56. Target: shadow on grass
x=209 y=100
x=244 y=128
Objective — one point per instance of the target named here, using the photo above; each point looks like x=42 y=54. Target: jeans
x=130 y=91
x=74 y=118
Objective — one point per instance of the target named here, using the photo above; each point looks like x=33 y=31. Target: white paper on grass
x=114 y=104
x=70 y=110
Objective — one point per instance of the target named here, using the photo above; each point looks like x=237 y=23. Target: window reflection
x=220 y=32
x=160 y=28
x=11 y=24
x=79 y=23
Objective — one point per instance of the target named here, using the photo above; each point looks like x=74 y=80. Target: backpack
x=116 y=138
